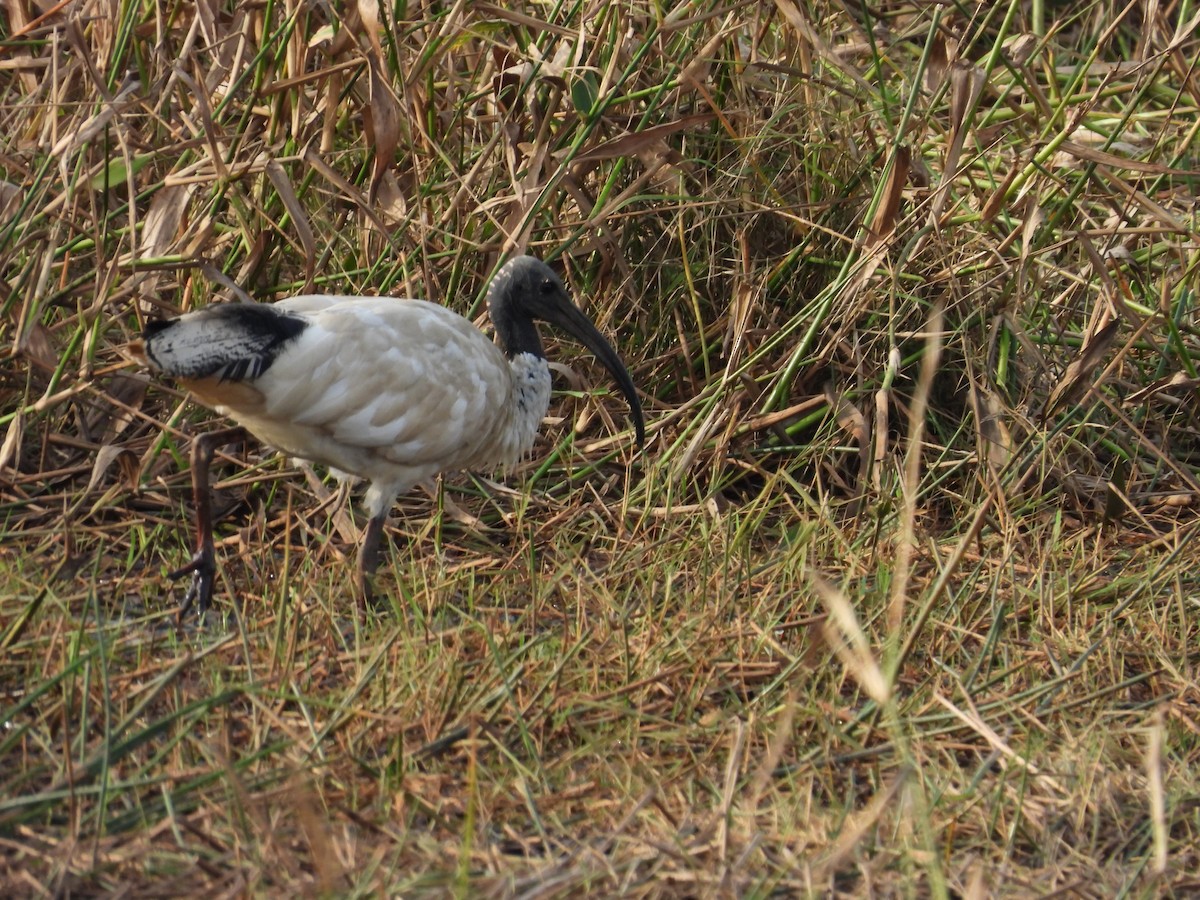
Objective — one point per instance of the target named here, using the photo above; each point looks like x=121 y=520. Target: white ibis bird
x=390 y=390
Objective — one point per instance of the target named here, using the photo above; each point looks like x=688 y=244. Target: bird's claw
x=367 y=599
x=203 y=569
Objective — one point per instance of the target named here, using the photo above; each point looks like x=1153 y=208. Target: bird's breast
x=529 y=398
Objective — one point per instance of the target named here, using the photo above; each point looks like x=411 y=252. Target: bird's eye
x=547 y=287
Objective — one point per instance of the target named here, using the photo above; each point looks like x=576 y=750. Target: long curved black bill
x=571 y=319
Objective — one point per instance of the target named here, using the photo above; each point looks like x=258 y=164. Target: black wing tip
x=229 y=341
x=156 y=326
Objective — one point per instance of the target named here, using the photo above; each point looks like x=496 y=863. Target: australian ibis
x=390 y=390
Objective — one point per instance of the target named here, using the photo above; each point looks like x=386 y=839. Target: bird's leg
x=368 y=557
x=203 y=566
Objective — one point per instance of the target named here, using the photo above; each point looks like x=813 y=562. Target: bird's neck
x=529 y=402
x=517 y=333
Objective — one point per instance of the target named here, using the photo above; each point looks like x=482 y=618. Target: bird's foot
x=367 y=598
x=203 y=569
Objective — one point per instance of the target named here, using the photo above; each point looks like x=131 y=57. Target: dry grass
x=902 y=597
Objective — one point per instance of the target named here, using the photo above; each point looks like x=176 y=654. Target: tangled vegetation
x=902 y=596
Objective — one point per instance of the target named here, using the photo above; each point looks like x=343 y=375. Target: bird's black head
x=526 y=289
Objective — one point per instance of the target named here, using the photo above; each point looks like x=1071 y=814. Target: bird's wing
x=308 y=304
x=408 y=380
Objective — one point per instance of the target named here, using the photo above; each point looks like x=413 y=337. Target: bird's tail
x=230 y=342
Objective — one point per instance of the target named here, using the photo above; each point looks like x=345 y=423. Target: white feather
x=396 y=391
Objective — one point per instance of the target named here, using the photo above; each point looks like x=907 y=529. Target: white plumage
x=393 y=391
x=390 y=390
